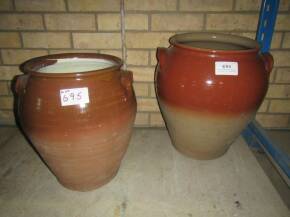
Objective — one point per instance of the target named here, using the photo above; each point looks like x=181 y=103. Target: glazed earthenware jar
x=209 y=87
x=78 y=111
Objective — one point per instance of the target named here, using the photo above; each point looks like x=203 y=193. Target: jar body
x=82 y=144
x=204 y=109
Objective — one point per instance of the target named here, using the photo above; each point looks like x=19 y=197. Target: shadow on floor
x=281 y=138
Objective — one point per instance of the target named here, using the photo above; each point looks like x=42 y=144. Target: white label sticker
x=74 y=96
x=226 y=68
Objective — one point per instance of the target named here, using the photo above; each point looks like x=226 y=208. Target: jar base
x=88 y=186
x=200 y=155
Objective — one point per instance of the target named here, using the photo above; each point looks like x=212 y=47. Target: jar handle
x=268 y=62
x=127 y=81
x=20 y=82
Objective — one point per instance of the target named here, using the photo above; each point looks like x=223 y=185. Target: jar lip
x=33 y=65
x=182 y=40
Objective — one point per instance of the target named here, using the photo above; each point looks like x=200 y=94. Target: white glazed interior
x=214 y=41
x=79 y=65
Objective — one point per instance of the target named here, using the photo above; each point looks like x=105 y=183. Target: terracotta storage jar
x=78 y=111
x=209 y=87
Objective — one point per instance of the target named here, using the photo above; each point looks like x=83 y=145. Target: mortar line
x=44 y=26
x=234 y=5
x=8 y=84
x=13 y=5
x=204 y=21
x=66 y=5
x=268 y=106
x=1 y=60
x=96 y=22
x=274 y=76
x=149 y=22
x=178 y=5
x=21 y=40
x=149 y=56
x=230 y=11
x=282 y=40
x=71 y=40
x=253 y=12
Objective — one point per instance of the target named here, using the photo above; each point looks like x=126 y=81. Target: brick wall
x=30 y=28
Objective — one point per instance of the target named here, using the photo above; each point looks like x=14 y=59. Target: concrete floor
x=281 y=138
x=154 y=180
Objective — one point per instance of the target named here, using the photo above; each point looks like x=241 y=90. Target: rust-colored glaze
x=186 y=77
x=204 y=112
x=83 y=145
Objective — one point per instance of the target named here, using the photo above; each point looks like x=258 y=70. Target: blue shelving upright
x=254 y=134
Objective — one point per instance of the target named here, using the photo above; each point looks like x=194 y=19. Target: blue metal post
x=267 y=19
x=254 y=135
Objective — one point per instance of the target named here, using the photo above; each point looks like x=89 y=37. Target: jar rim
x=34 y=65
x=187 y=40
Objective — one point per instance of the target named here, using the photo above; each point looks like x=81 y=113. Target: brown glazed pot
x=209 y=87
x=81 y=139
